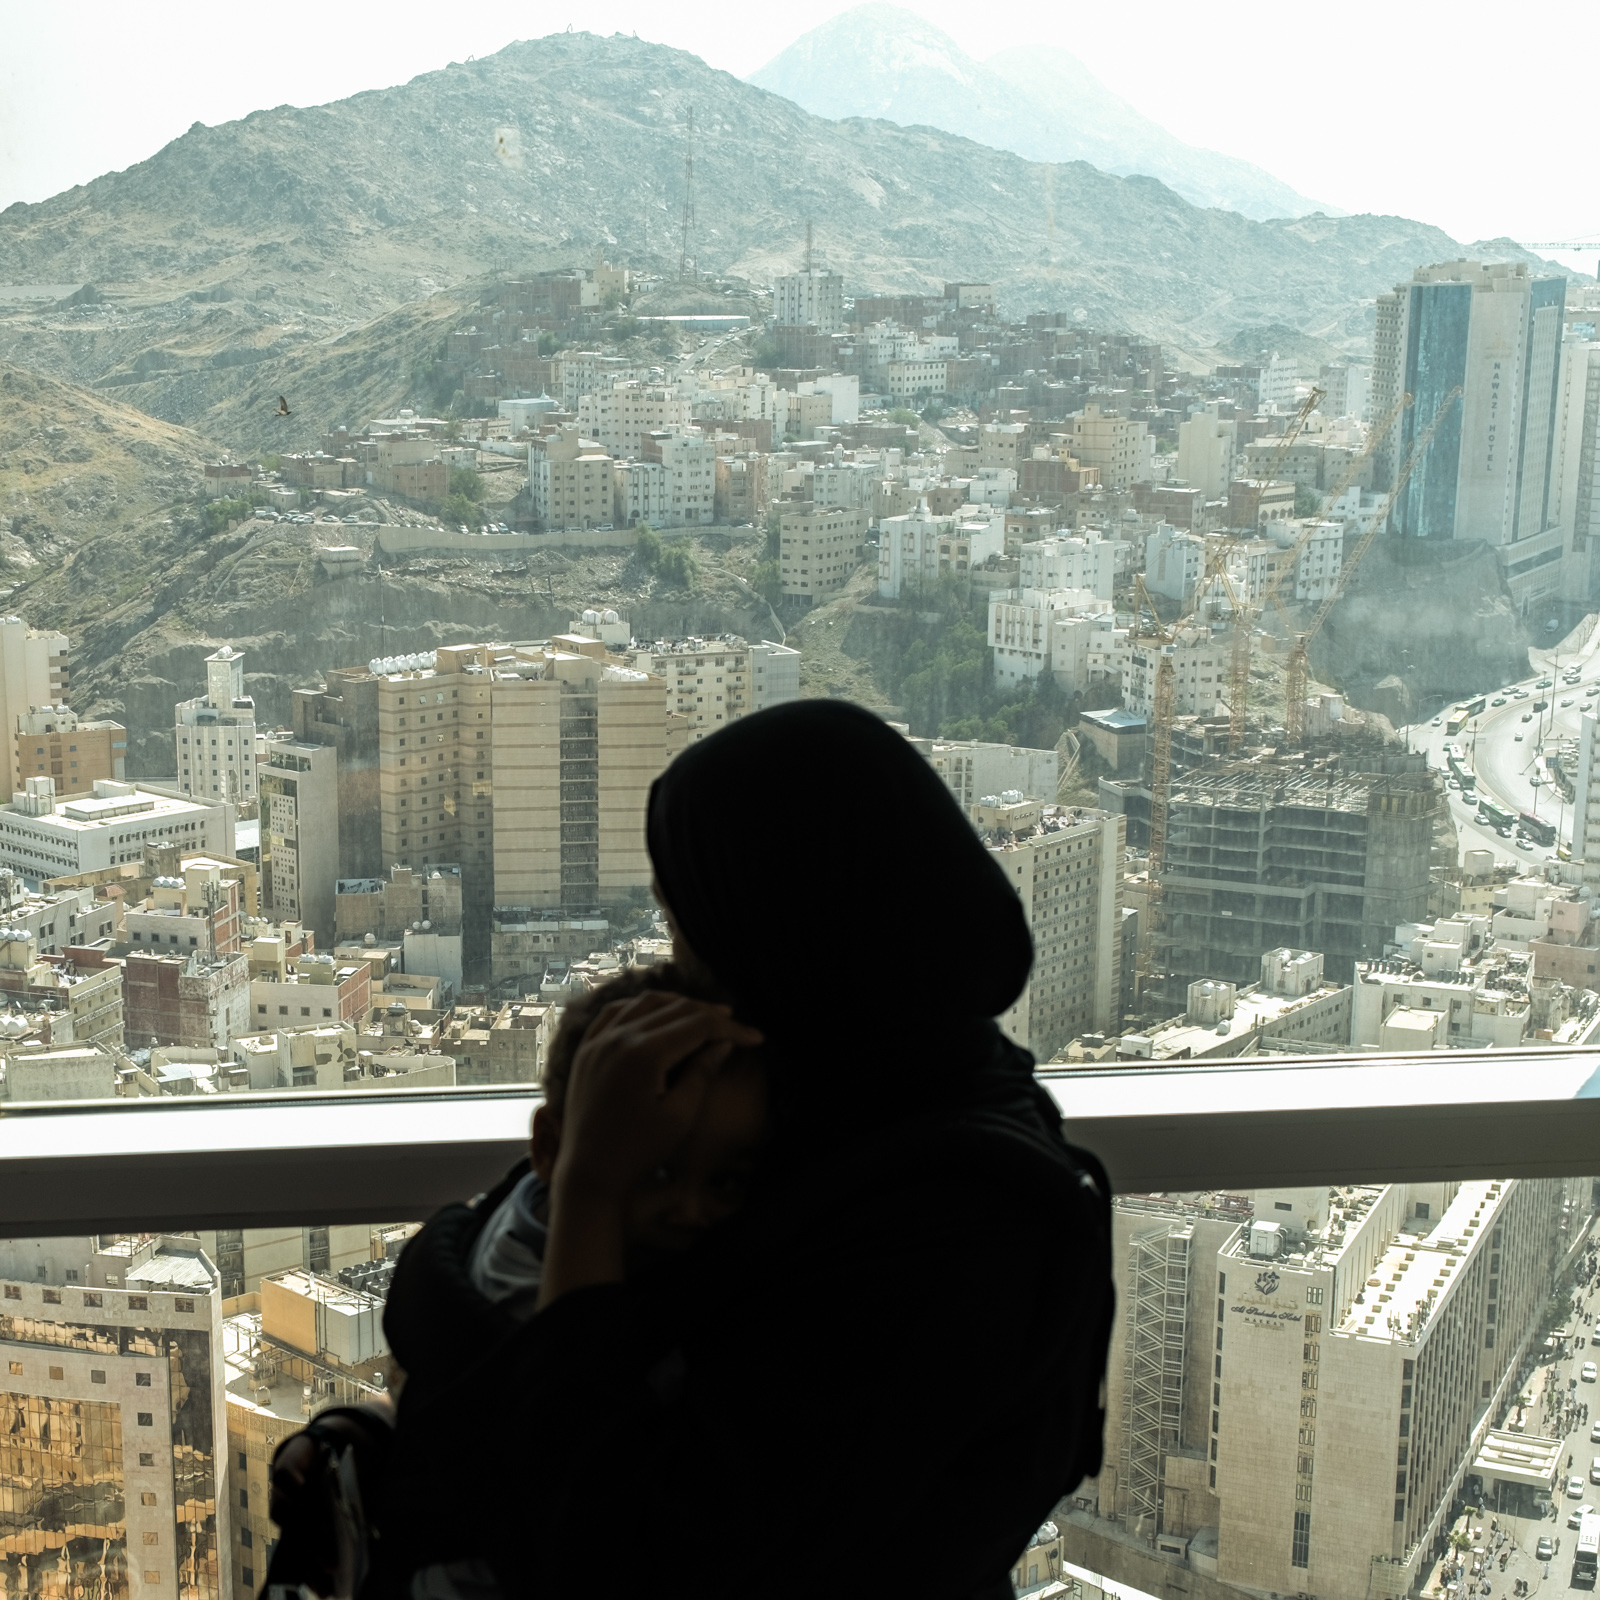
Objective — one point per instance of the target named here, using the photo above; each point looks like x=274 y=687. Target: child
x=705 y=1182
x=472 y=1275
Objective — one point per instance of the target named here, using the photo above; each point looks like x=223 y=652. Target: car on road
x=1588 y=1372
x=1545 y=683
x=1522 y=844
x=1499 y=700
x=1438 y=722
x=1541 y=705
x=1594 y=1470
x=1516 y=738
x=1594 y=1433
x=1519 y=694
x=1545 y=1549
x=1565 y=704
x=1527 y=716
x=1574 y=1487
x=1576 y=1515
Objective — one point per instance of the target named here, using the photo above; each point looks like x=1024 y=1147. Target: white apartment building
x=1174 y=562
x=972 y=770
x=1070 y=561
x=774 y=674
x=215 y=736
x=845 y=483
x=1207 y=447
x=1033 y=631
x=1201 y=661
x=689 y=460
x=844 y=389
x=619 y=415
x=908 y=550
x=33 y=672
x=712 y=682
x=1068 y=873
x=1119 y=446
x=1253 y=564
x=41 y=838
x=1442 y=992
x=640 y=494
x=812 y=299
x=299 y=844
x=919 y=378
x=818 y=547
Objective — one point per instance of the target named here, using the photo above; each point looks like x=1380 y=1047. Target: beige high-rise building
x=1301 y=1380
x=215 y=735
x=33 y=672
x=818 y=547
x=299 y=832
x=576 y=744
x=1207 y=445
x=570 y=480
x=435 y=769
x=1067 y=868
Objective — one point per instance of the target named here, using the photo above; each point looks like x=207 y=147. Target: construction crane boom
x=1299 y=656
x=1239 y=674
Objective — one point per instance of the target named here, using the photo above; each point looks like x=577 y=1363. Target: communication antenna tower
x=686 y=272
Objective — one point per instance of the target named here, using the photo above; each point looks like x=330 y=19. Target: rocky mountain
x=1038 y=100
x=238 y=255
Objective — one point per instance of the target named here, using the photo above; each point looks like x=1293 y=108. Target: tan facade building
x=215 y=735
x=818 y=548
x=1067 y=868
x=1311 y=1373
x=51 y=739
x=576 y=745
x=1119 y=446
x=570 y=480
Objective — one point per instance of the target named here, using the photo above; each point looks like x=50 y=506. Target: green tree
x=933 y=412
x=549 y=343
x=1307 y=502
x=215 y=515
x=678 y=565
x=767 y=582
x=905 y=416
x=766 y=354
x=647 y=547
x=458 y=508
x=464 y=481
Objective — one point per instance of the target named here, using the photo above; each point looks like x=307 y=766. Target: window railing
x=348 y=1156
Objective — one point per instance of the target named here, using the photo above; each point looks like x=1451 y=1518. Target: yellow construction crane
x=1299 y=658
x=1163 y=708
x=1239 y=674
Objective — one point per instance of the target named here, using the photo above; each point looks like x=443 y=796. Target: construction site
x=1286 y=850
x=1256 y=841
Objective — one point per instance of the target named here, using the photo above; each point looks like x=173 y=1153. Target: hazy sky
x=1375 y=105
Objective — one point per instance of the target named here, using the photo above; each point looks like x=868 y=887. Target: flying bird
x=283 y=408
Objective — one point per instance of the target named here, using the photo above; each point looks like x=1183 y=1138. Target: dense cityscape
x=1268 y=675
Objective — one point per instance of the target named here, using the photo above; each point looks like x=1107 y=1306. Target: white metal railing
x=342 y=1156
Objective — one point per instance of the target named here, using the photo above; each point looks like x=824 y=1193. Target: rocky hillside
x=216 y=266
x=1037 y=100
x=75 y=466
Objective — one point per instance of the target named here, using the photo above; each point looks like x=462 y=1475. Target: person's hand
x=638 y=1080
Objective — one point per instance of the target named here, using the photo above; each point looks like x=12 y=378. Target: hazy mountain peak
x=1042 y=102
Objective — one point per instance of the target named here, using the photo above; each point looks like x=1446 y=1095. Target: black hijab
x=821 y=869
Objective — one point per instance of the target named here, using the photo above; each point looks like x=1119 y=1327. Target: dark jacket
x=902 y=1340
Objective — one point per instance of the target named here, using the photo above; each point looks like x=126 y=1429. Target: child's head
x=706 y=1179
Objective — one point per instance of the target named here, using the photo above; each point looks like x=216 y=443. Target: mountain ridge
x=258 y=243
x=1038 y=101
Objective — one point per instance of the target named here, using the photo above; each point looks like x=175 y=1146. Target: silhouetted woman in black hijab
x=898 y=1344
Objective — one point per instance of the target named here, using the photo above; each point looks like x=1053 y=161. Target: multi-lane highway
x=1505 y=746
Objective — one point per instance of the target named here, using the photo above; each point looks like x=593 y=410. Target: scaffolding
x=1157 y=1290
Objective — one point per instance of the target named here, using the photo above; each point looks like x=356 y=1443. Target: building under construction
x=1293 y=851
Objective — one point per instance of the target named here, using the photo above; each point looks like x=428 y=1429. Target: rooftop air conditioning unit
x=1266 y=1240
